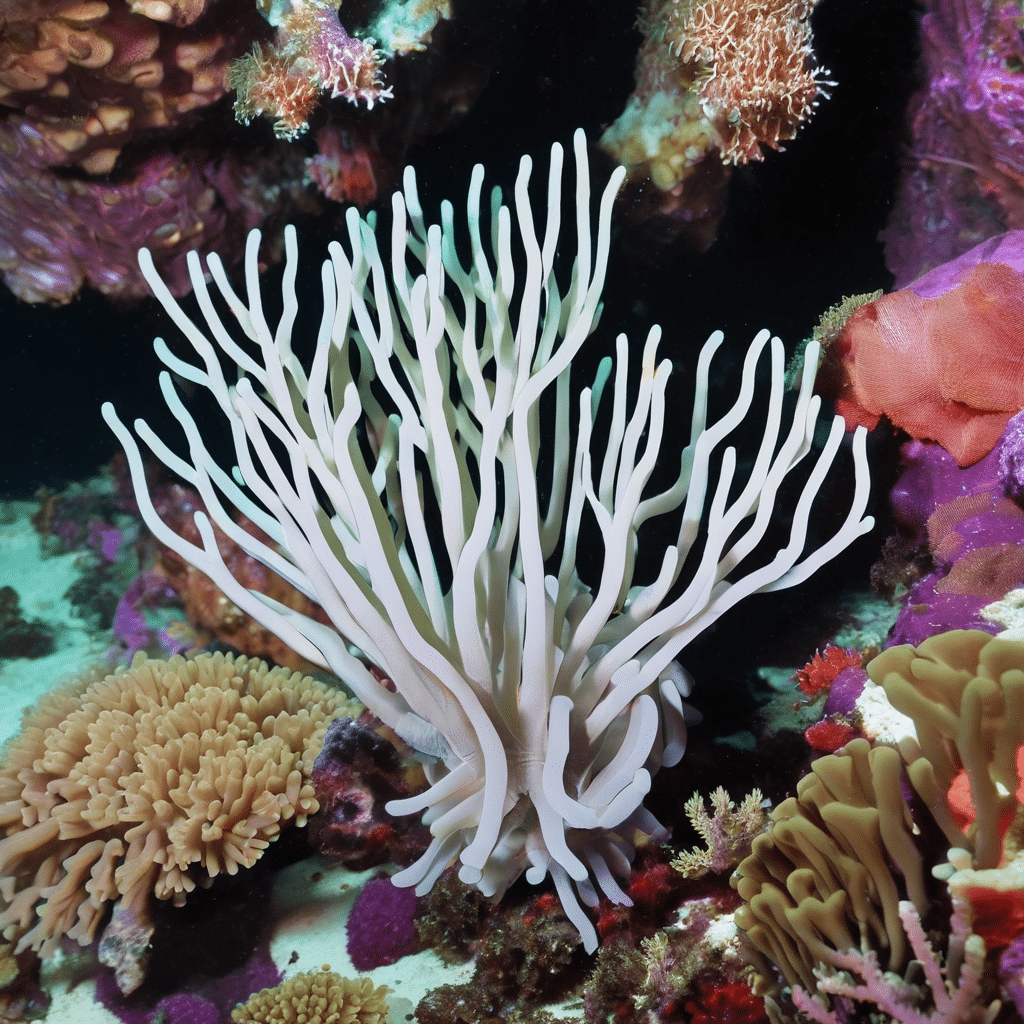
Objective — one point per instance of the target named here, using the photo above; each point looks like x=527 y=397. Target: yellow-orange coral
x=151 y=781
x=316 y=997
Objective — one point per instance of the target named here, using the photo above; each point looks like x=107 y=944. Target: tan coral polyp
x=151 y=781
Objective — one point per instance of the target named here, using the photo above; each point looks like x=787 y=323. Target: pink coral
x=948 y=369
x=718 y=82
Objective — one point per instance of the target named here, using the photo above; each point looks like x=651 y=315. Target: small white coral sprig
x=728 y=832
x=951 y=993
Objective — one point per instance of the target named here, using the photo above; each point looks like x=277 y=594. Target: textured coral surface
x=149 y=782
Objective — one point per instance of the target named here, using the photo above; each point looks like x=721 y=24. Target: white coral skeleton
x=414 y=486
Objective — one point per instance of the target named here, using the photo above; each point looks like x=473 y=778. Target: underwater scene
x=512 y=511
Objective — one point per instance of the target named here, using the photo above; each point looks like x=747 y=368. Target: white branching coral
x=425 y=484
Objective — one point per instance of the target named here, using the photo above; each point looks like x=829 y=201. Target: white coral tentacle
x=422 y=484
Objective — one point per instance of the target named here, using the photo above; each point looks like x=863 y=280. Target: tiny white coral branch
x=422 y=484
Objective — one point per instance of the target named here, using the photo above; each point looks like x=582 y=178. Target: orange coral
x=947 y=369
x=150 y=782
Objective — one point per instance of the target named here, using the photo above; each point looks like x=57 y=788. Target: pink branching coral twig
x=950 y=995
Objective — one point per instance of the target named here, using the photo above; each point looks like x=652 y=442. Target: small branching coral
x=728 y=832
x=149 y=782
x=424 y=483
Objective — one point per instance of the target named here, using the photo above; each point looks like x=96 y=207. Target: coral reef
x=147 y=783
x=541 y=706
x=114 y=138
x=850 y=876
x=380 y=927
x=316 y=997
x=971 y=532
x=718 y=81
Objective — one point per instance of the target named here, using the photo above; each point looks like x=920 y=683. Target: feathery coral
x=316 y=997
x=728 y=832
x=149 y=782
x=757 y=81
x=424 y=485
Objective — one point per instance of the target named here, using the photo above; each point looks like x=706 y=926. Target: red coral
x=822 y=669
x=998 y=915
x=725 y=1002
x=830 y=734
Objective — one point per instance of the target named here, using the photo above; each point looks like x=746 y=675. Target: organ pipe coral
x=149 y=782
x=423 y=484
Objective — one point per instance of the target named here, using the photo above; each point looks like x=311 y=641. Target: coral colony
x=421 y=483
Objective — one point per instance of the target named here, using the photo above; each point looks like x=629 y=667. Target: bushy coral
x=727 y=832
x=718 y=82
x=147 y=783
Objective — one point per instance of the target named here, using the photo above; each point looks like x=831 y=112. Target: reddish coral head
x=998 y=915
x=948 y=368
x=961 y=803
x=819 y=673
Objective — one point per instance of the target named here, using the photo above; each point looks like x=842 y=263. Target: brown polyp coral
x=316 y=997
x=149 y=782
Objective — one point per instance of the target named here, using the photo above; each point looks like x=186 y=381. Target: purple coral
x=1011 y=973
x=381 y=928
x=967 y=126
x=975 y=535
